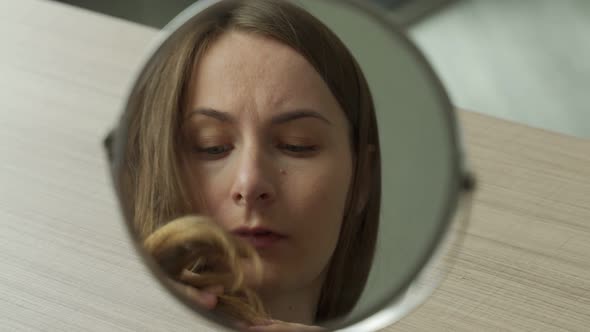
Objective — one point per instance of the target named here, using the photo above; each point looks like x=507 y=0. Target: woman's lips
x=259 y=237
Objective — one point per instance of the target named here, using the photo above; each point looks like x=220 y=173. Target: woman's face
x=267 y=155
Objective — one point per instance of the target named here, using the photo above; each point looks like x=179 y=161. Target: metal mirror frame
x=423 y=281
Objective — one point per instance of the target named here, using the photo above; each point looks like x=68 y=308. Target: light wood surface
x=66 y=263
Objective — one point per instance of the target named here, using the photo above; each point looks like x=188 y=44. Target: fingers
x=215 y=283
x=202 y=298
x=217 y=289
x=205 y=298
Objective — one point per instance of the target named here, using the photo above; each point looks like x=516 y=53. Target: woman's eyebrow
x=277 y=119
x=219 y=115
x=298 y=114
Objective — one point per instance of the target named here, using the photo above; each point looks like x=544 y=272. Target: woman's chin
x=269 y=281
x=272 y=280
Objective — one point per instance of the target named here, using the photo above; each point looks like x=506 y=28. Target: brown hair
x=149 y=180
x=196 y=251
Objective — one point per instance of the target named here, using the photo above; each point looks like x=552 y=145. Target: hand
x=279 y=326
x=205 y=298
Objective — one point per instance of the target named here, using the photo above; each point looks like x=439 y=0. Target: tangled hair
x=148 y=179
x=196 y=244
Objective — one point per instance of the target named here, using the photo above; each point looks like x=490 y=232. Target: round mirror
x=290 y=165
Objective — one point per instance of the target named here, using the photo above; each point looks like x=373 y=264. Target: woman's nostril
x=263 y=196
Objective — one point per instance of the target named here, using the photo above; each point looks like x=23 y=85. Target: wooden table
x=66 y=263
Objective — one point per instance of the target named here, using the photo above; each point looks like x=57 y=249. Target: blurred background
x=522 y=60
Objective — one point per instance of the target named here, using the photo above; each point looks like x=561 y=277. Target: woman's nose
x=253 y=186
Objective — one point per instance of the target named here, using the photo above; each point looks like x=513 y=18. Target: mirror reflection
x=250 y=164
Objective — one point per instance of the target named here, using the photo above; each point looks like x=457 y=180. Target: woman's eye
x=219 y=151
x=298 y=148
x=213 y=151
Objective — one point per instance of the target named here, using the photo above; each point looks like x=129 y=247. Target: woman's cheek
x=324 y=205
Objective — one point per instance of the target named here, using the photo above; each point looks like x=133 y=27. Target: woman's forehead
x=245 y=70
x=249 y=52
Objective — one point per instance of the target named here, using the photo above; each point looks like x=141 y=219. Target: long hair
x=149 y=179
x=194 y=250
